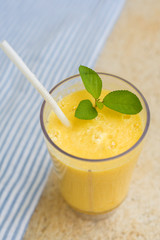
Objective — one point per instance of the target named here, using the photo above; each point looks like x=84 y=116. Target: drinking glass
x=94 y=186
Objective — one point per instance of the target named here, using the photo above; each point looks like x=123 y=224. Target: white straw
x=9 y=51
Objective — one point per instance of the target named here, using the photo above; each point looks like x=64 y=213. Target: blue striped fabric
x=53 y=37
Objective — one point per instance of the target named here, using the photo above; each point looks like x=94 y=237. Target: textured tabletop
x=133 y=53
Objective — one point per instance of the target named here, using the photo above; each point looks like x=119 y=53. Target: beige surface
x=132 y=52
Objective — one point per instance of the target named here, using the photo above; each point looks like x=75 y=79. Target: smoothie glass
x=96 y=186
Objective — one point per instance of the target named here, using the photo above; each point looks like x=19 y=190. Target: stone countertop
x=133 y=53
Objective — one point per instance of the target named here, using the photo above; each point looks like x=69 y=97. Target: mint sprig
x=85 y=110
x=91 y=81
x=99 y=104
x=122 y=101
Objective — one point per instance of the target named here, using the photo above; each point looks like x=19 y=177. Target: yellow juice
x=94 y=186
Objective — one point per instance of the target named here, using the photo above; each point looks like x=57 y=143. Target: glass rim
x=101 y=159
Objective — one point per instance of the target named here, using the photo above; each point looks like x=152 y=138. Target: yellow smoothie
x=97 y=186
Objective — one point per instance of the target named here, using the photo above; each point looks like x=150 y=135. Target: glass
x=94 y=186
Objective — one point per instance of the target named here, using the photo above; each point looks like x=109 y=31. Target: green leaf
x=123 y=101
x=91 y=81
x=85 y=110
x=99 y=105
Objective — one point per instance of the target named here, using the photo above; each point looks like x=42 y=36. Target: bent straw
x=10 y=52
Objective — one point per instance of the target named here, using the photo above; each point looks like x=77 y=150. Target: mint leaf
x=85 y=110
x=91 y=81
x=99 y=105
x=123 y=101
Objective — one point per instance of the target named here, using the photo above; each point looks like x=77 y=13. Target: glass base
x=94 y=216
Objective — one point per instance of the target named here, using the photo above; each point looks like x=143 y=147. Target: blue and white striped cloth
x=53 y=37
